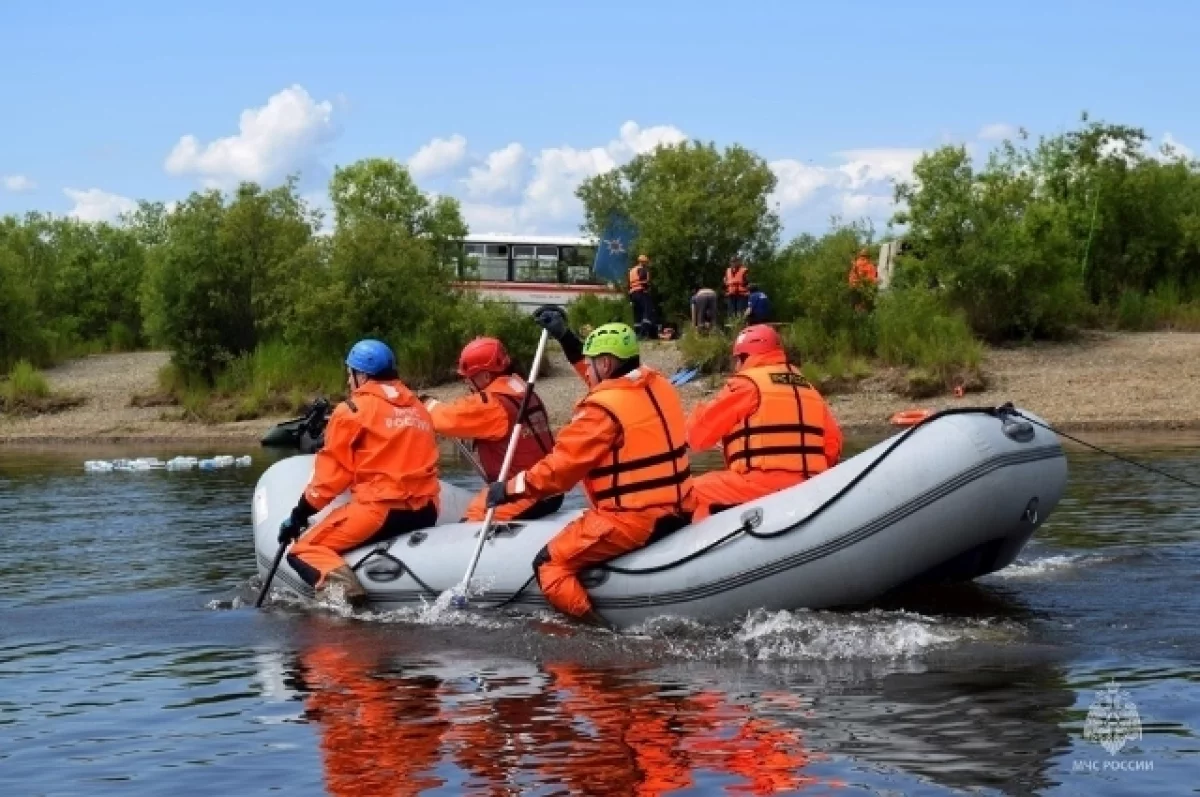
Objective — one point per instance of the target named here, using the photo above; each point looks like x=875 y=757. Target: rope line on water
x=1106 y=452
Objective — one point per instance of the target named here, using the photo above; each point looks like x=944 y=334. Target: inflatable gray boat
x=955 y=497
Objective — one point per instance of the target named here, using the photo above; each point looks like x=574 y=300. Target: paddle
x=460 y=599
x=466 y=452
x=262 y=593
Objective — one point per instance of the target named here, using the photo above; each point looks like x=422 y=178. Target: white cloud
x=96 y=205
x=501 y=172
x=549 y=200
x=287 y=134
x=17 y=183
x=514 y=190
x=864 y=166
x=1177 y=149
x=438 y=156
x=997 y=131
x=797 y=183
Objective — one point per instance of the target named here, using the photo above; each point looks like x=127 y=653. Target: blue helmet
x=371 y=357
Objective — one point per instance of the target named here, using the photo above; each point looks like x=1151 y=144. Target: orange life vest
x=787 y=432
x=536 y=439
x=736 y=283
x=863 y=271
x=649 y=467
x=639 y=279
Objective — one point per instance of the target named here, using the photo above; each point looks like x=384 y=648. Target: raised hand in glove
x=497 y=494
x=552 y=319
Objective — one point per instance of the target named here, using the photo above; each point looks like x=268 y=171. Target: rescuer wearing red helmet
x=487 y=416
x=774 y=427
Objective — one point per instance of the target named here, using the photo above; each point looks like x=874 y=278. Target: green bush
x=592 y=311
x=916 y=329
x=25 y=382
x=710 y=353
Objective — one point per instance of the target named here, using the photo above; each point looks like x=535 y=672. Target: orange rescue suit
x=488 y=418
x=776 y=431
x=863 y=273
x=737 y=282
x=639 y=279
x=626 y=444
x=379 y=444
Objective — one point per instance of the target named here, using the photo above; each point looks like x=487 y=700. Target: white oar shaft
x=508 y=458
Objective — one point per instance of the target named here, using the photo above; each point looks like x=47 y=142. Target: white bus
x=532 y=270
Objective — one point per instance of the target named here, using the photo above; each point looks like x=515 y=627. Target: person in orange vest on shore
x=488 y=416
x=737 y=288
x=775 y=428
x=864 y=281
x=626 y=444
x=639 y=297
x=380 y=444
x=863 y=272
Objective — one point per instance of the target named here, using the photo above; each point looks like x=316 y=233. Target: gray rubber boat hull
x=957 y=499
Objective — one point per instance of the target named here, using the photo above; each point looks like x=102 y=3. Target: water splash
x=805 y=635
x=1047 y=565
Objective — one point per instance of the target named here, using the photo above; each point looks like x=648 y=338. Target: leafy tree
x=694 y=208
x=380 y=189
x=993 y=242
x=224 y=272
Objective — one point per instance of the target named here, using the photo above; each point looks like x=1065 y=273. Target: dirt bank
x=1101 y=382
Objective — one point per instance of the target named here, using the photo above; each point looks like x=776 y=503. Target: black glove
x=497 y=495
x=297 y=522
x=290 y=530
x=551 y=318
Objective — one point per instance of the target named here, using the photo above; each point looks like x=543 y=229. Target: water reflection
x=392 y=719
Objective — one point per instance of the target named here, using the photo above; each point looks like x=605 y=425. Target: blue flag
x=613 y=250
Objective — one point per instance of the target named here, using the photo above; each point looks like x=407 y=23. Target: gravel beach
x=1102 y=381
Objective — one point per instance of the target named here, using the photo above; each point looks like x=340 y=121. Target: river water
x=129 y=665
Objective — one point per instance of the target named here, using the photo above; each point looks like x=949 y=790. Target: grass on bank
x=1164 y=308
x=25 y=391
x=931 y=347
x=274 y=379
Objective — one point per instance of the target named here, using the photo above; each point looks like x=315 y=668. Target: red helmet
x=757 y=339
x=483 y=354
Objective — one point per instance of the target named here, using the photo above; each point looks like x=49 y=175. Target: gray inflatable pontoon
x=953 y=498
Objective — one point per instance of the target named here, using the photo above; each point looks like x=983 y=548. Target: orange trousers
x=319 y=549
x=724 y=488
x=595 y=537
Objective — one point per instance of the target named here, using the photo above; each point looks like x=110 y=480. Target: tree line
x=1084 y=228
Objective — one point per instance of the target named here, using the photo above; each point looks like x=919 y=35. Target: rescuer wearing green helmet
x=625 y=442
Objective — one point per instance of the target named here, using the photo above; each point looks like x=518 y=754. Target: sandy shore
x=1101 y=382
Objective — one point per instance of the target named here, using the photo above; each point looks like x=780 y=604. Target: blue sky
x=508 y=105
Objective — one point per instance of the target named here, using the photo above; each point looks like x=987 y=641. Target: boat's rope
x=1112 y=454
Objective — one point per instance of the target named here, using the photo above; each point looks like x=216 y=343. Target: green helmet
x=615 y=339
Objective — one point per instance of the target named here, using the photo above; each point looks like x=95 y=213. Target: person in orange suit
x=488 y=416
x=863 y=273
x=626 y=444
x=737 y=289
x=380 y=444
x=639 y=297
x=775 y=428
x=864 y=282
x=378 y=735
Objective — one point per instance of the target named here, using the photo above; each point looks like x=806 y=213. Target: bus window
x=490 y=260
x=578 y=261
x=536 y=263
